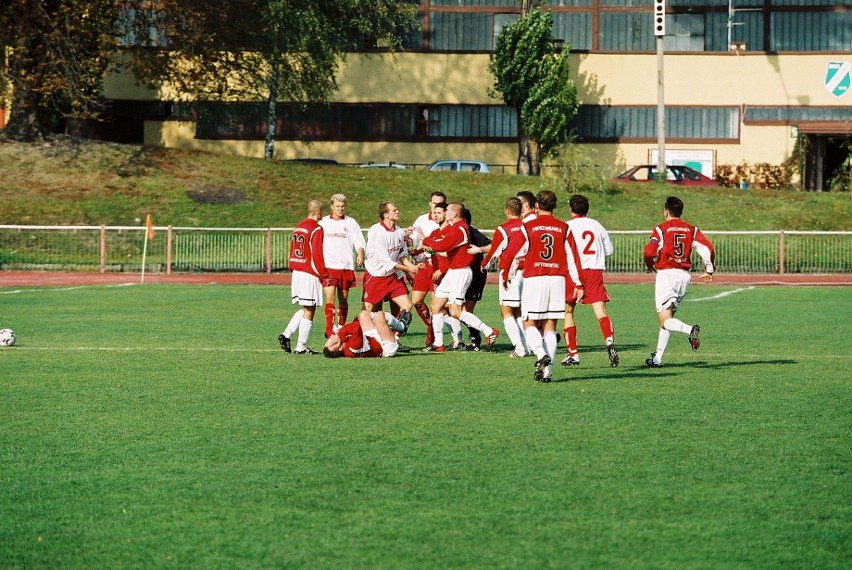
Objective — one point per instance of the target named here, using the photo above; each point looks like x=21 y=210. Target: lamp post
x=660 y=32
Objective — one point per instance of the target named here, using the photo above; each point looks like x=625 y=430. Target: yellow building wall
x=728 y=79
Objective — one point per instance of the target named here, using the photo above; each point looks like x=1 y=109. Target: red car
x=682 y=175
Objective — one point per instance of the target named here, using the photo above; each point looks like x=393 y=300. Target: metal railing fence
x=190 y=249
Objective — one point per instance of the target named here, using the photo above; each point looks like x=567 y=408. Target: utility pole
x=660 y=32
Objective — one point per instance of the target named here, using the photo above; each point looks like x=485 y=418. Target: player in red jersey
x=508 y=235
x=368 y=336
x=545 y=269
x=423 y=282
x=308 y=266
x=592 y=246
x=454 y=240
x=668 y=253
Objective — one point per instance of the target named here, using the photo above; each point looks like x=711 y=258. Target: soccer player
x=423 y=281
x=507 y=236
x=386 y=262
x=479 y=246
x=342 y=236
x=454 y=240
x=591 y=247
x=368 y=336
x=308 y=266
x=667 y=253
x=543 y=295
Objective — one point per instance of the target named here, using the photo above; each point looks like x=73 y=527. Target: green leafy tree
x=53 y=55
x=534 y=80
x=263 y=50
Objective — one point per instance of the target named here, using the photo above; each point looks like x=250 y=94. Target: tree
x=53 y=54
x=262 y=50
x=534 y=80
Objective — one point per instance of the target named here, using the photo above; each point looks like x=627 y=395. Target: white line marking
x=74 y=288
x=723 y=294
x=144 y=348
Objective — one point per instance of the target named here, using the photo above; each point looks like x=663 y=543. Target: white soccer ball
x=7 y=337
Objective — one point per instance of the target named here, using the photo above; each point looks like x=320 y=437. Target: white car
x=459 y=166
x=390 y=164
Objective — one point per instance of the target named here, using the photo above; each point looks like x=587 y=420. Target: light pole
x=660 y=32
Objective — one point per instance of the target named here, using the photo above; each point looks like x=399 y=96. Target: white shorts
x=306 y=289
x=389 y=347
x=511 y=296
x=543 y=297
x=670 y=288
x=454 y=286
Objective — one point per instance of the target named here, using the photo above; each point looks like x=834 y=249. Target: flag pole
x=149 y=233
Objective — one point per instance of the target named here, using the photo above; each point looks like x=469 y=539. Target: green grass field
x=161 y=426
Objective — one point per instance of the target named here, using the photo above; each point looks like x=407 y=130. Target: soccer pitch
x=161 y=426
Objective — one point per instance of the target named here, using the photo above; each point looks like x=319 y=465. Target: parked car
x=390 y=164
x=459 y=166
x=675 y=174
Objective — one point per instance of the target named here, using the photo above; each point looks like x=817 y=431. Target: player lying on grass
x=368 y=336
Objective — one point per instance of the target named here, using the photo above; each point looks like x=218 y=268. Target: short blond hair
x=338 y=198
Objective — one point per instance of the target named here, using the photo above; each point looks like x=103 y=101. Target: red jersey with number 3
x=306 y=249
x=546 y=254
x=671 y=244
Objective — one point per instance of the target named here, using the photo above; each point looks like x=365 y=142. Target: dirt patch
x=215 y=195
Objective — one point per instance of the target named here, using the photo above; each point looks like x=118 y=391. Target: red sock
x=329 y=319
x=606 y=329
x=570 y=334
x=342 y=314
x=423 y=312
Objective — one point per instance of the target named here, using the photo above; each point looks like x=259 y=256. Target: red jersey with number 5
x=306 y=249
x=671 y=245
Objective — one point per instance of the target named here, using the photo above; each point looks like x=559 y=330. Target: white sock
x=293 y=325
x=455 y=328
x=438 y=328
x=304 y=333
x=676 y=325
x=550 y=339
x=535 y=342
x=524 y=343
x=513 y=332
x=394 y=323
x=475 y=322
x=662 y=343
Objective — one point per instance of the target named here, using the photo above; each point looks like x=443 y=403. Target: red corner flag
x=149 y=226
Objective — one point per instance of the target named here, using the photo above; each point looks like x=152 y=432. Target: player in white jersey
x=342 y=236
x=586 y=264
x=387 y=259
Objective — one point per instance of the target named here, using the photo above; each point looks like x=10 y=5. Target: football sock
x=662 y=343
x=550 y=339
x=293 y=325
x=342 y=313
x=304 y=333
x=455 y=327
x=512 y=331
x=423 y=313
x=571 y=339
x=676 y=325
x=606 y=330
x=474 y=322
x=520 y=322
x=329 y=318
x=394 y=323
x=535 y=342
x=438 y=328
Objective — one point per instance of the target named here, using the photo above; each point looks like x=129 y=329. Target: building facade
x=743 y=81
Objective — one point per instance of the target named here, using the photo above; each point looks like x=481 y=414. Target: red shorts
x=593 y=287
x=378 y=289
x=423 y=279
x=343 y=279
